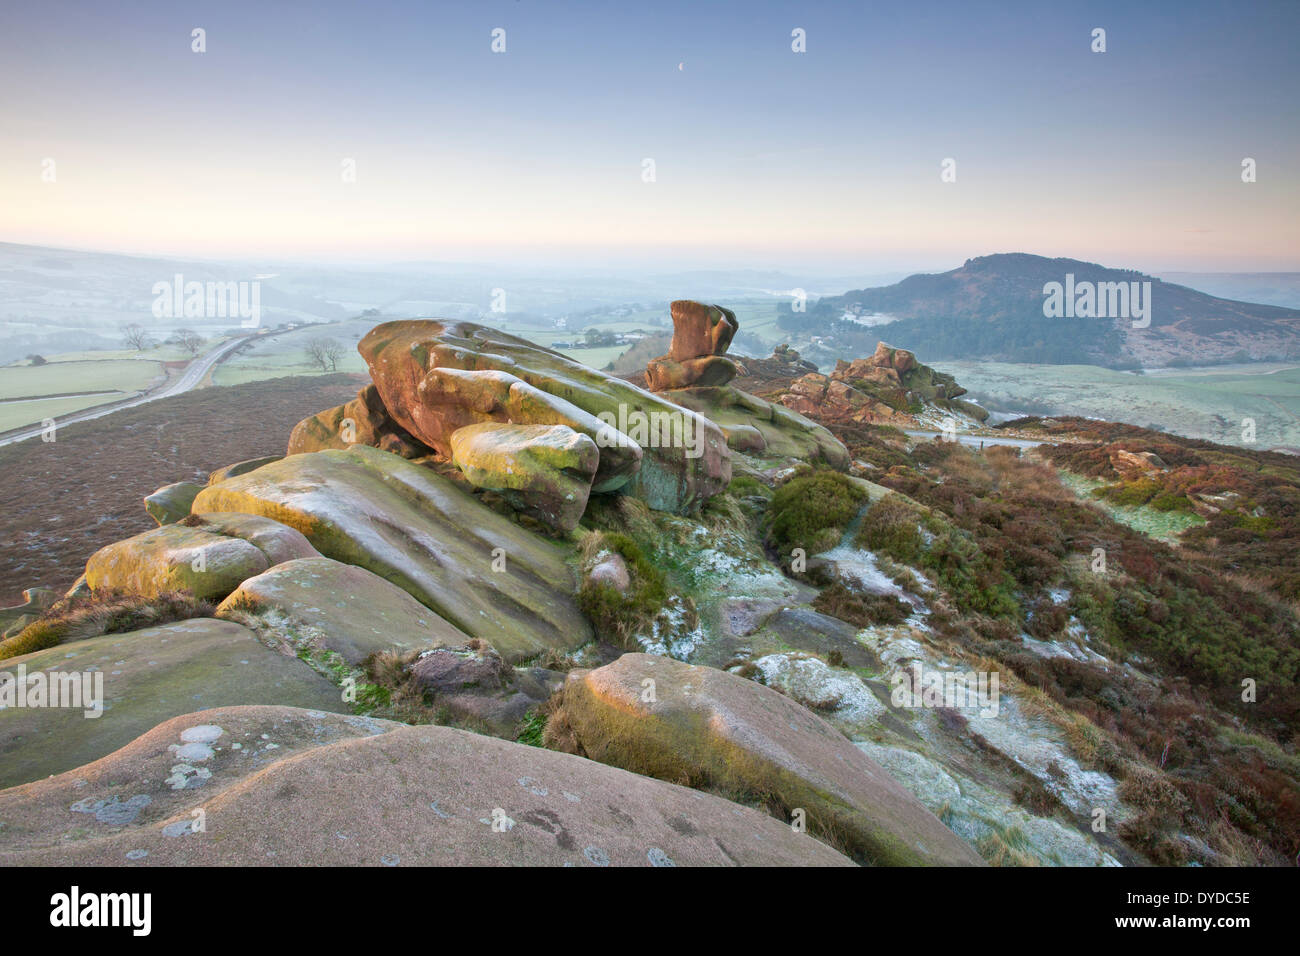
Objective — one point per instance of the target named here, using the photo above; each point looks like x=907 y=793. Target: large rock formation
x=660 y=717
x=694 y=375
x=480 y=571
x=148 y=676
x=268 y=782
x=437 y=376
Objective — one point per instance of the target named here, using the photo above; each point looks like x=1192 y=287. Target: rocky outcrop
x=171 y=503
x=438 y=376
x=362 y=421
x=267 y=781
x=666 y=719
x=543 y=470
x=1131 y=465
x=348 y=610
x=694 y=375
x=701 y=334
x=763 y=429
x=148 y=676
x=891 y=387
x=480 y=571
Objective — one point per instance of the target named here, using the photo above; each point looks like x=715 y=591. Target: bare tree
x=325 y=352
x=189 y=340
x=136 y=336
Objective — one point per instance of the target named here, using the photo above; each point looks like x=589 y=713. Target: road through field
x=193 y=374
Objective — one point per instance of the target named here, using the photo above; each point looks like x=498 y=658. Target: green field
x=71 y=387
x=286 y=354
x=17 y=414
x=1198 y=403
x=66 y=378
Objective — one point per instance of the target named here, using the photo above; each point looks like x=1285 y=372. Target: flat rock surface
x=356 y=611
x=473 y=567
x=726 y=733
x=148 y=676
x=308 y=788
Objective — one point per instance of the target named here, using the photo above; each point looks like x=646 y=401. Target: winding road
x=189 y=379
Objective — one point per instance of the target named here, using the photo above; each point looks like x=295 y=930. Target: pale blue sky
x=763 y=156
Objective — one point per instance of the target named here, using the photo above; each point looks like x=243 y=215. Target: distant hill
x=993 y=308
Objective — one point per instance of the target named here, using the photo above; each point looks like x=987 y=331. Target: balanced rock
x=281 y=786
x=700 y=329
x=171 y=503
x=349 y=610
x=701 y=334
x=728 y=734
x=148 y=676
x=475 y=568
x=544 y=470
x=436 y=377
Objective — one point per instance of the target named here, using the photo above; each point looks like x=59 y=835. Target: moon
x=681 y=67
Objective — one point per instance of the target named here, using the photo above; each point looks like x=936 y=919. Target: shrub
x=863 y=610
x=811 y=510
x=620 y=616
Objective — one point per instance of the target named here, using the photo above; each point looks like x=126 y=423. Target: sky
x=764 y=157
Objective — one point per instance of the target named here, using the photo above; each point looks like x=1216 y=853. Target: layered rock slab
x=758 y=427
x=543 y=470
x=349 y=791
x=436 y=376
x=723 y=732
x=148 y=676
x=350 y=611
x=476 y=569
